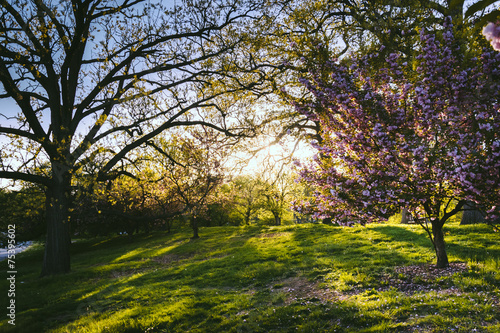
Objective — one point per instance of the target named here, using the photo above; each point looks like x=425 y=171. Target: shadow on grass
x=361 y=248
x=462 y=242
x=404 y=238
x=220 y=282
x=106 y=271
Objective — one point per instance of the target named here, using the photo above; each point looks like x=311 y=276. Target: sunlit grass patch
x=303 y=278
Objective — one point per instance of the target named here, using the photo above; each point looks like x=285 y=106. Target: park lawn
x=297 y=278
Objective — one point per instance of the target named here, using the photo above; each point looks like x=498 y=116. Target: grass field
x=300 y=278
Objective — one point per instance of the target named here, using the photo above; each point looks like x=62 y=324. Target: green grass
x=301 y=278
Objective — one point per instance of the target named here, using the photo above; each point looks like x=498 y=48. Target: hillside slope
x=301 y=278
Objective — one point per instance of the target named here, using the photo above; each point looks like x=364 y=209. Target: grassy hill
x=300 y=278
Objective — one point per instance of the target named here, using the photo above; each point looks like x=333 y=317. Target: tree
x=393 y=143
x=86 y=73
x=193 y=163
x=174 y=175
x=25 y=209
x=276 y=189
x=471 y=214
x=246 y=193
x=405 y=216
x=130 y=204
x=274 y=200
x=221 y=208
x=315 y=31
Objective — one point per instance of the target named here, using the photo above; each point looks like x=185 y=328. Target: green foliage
x=175 y=179
x=93 y=82
x=305 y=278
x=25 y=209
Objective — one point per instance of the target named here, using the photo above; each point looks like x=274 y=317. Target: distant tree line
x=180 y=180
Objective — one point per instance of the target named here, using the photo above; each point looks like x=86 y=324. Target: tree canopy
x=99 y=90
x=391 y=143
x=96 y=79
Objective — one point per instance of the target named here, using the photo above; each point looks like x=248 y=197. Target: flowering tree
x=389 y=144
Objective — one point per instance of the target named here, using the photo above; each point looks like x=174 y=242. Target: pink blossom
x=492 y=33
x=398 y=143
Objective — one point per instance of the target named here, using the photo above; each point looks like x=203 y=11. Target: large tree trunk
x=405 y=216
x=57 y=246
x=439 y=245
x=471 y=214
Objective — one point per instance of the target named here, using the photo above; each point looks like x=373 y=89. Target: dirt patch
x=170 y=258
x=297 y=288
x=430 y=272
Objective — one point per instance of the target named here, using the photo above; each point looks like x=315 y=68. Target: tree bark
x=439 y=245
x=277 y=219
x=248 y=213
x=471 y=214
x=405 y=216
x=57 y=246
x=194 y=225
x=167 y=225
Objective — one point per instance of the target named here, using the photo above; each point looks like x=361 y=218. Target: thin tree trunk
x=248 y=212
x=277 y=219
x=439 y=245
x=57 y=246
x=167 y=225
x=194 y=225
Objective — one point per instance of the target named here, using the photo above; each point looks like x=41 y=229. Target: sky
x=8 y=108
x=274 y=154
